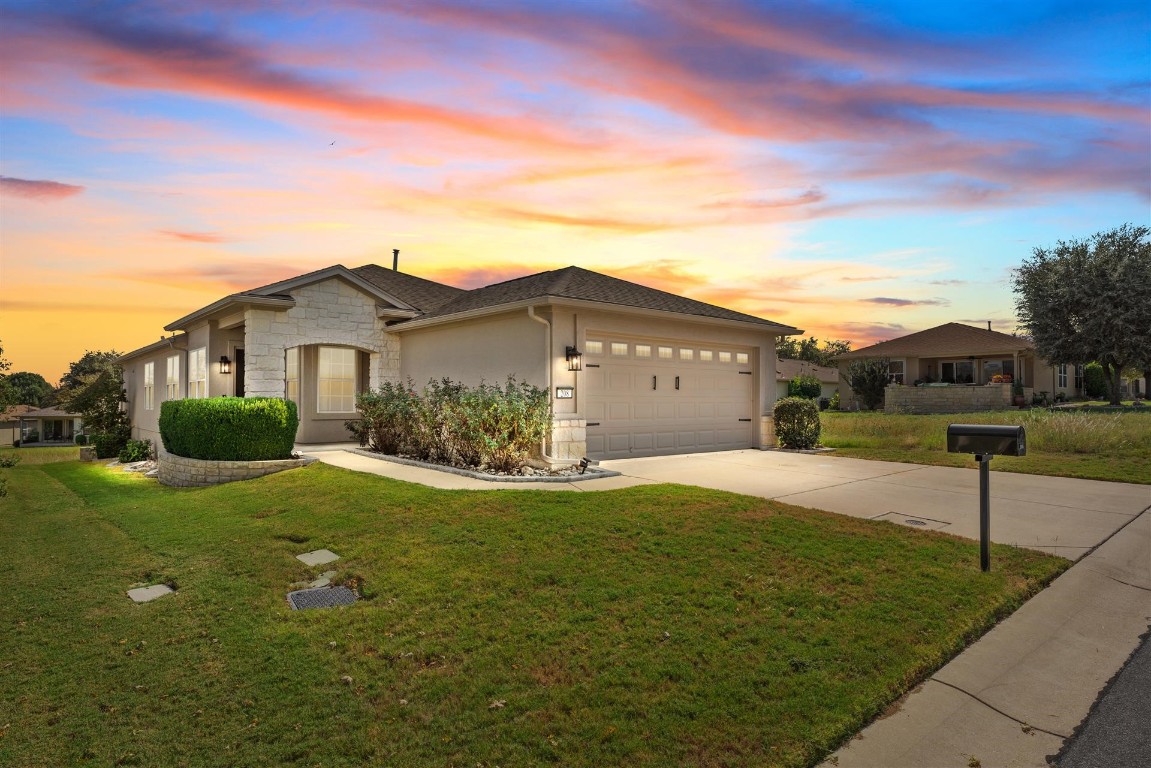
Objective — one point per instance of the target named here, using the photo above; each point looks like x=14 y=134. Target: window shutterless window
x=895 y=371
x=149 y=386
x=172 y=383
x=198 y=373
x=1061 y=378
x=292 y=374
x=337 y=380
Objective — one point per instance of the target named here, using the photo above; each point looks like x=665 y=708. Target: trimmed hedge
x=229 y=428
x=796 y=423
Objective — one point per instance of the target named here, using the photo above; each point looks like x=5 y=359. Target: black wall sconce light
x=574 y=358
x=122 y=404
x=225 y=364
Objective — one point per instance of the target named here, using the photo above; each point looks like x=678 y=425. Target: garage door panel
x=637 y=420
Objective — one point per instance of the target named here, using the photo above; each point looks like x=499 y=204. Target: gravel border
x=592 y=473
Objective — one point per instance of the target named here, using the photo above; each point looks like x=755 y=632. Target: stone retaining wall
x=195 y=473
x=569 y=438
x=992 y=397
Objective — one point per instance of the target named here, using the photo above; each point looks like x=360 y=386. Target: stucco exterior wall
x=484 y=349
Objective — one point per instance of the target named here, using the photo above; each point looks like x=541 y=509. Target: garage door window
x=594 y=347
x=705 y=355
x=741 y=358
x=665 y=353
x=618 y=348
x=725 y=357
x=687 y=354
x=643 y=350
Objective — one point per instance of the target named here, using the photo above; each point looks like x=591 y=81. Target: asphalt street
x=1117 y=732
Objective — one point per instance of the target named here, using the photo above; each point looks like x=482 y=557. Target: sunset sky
x=856 y=169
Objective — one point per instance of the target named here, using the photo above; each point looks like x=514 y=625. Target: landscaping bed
x=565 y=474
x=651 y=626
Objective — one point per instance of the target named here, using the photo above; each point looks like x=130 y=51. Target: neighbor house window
x=1079 y=378
x=895 y=372
x=957 y=372
x=149 y=386
x=198 y=373
x=172 y=385
x=337 y=380
x=998 y=368
x=1061 y=376
x=643 y=350
x=292 y=374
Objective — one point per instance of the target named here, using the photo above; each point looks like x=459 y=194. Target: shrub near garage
x=796 y=423
x=805 y=386
x=229 y=428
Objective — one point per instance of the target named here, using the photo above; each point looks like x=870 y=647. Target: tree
x=1090 y=299
x=81 y=372
x=7 y=394
x=809 y=349
x=92 y=388
x=30 y=389
x=868 y=380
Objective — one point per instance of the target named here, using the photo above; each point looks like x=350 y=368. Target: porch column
x=1018 y=370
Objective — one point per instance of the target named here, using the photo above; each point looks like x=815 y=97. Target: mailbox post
x=986 y=441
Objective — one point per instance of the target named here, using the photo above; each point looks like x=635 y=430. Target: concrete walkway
x=1013 y=697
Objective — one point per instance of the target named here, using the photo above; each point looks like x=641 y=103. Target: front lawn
x=1093 y=445
x=659 y=625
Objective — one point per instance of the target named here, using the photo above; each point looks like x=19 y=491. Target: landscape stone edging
x=592 y=473
x=183 y=472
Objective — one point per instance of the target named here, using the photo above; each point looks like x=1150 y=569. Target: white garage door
x=645 y=398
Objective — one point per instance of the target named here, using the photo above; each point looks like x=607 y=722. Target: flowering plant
x=1001 y=378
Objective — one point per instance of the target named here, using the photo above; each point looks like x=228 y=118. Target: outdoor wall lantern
x=575 y=359
x=122 y=405
x=225 y=364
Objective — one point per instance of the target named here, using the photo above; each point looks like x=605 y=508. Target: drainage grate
x=324 y=597
x=909 y=521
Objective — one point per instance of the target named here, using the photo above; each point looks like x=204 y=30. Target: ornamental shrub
x=796 y=423
x=868 y=381
x=109 y=444
x=229 y=428
x=804 y=386
x=1095 y=381
x=136 y=450
x=81 y=439
x=450 y=423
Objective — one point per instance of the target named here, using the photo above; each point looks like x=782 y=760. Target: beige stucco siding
x=483 y=349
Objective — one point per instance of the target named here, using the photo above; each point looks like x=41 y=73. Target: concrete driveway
x=1062 y=516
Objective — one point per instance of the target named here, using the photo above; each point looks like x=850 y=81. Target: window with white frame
x=198 y=373
x=337 y=380
x=172 y=383
x=292 y=374
x=1061 y=375
x=895 y=371
x=149 y=386
x=1079 y=378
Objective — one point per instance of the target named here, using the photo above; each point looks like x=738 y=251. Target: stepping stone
x=324 y=597
x=318 y=557
x=147 y=594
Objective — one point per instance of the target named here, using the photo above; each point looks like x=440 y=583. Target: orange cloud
x=194 y=237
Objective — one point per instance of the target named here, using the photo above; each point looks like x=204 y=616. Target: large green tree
x=7 y=393
x=1084 y=300
x=92 y=388
x=30 y=389
x=810 y=350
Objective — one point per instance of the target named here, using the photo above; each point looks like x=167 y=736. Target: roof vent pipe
x=988 y=322
x=396 y=263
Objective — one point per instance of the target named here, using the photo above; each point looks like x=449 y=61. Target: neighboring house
x=786 y=370
x=51 y=425
x=955 y=353
x=10 y=423
x=657 y=373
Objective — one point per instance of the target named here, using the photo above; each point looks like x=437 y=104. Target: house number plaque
x=565 y=393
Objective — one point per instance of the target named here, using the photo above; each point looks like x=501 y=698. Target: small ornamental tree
x=805 y=386
x=796 y=423
x=868 y=380
x=1094 y=381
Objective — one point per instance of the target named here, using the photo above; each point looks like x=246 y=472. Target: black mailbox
x=986 y=439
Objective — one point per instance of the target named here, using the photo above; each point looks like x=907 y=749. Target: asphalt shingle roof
x=948 y=340
x=424 y=295
x=583 y=284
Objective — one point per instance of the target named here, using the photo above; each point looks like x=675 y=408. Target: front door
x=239 y=372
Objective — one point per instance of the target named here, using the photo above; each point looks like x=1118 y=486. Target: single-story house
x=786 y=370
x=51 y=425
x=631 y=370
x=10 y=423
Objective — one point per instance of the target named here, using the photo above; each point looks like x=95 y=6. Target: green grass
x=1065 y=443
x=659 y=625
x=43 y=455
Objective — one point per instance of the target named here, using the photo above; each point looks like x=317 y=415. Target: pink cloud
x=37 y=190
x=194 y=237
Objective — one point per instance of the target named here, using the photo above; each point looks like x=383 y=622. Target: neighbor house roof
x=786 y=370
x=948 y=340
x=50 y=413
x=14 y=412
x=579 y=284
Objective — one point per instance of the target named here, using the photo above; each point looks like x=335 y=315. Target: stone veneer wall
x=569 y=438
x=183 y=472
x=329 y=312
x=992 y=397
x=767 y=431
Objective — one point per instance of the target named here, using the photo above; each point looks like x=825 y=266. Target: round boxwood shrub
x=805 y=386
x=796 y=423
x=229 y=428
